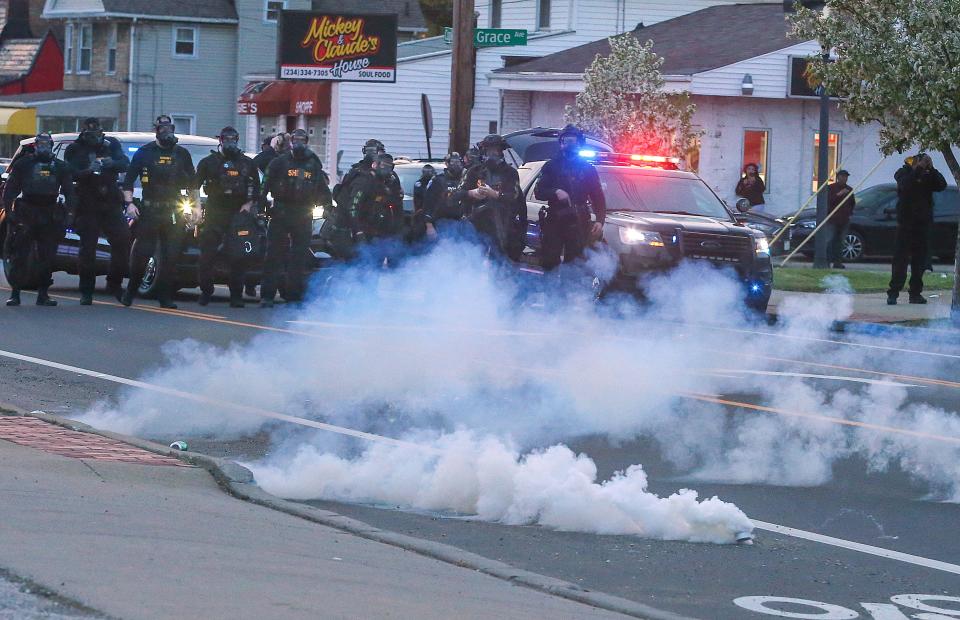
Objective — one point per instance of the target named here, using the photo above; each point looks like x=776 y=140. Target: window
x=68 y=51
x=756 y=147
x=833 y=157
x=543 y=15
x=185 y=123
x=112 y=49
x=85 y=48
x=272 y=8
x=184 y=42
x=496 y=13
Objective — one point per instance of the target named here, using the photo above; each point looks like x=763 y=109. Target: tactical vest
x=299 y=182
x=42 y=182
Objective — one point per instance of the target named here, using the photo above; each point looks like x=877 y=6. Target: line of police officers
x=476 y=194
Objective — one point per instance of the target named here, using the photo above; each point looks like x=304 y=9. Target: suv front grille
x=719 y=248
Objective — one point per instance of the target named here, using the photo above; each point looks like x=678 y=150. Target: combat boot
x=86 y=299
x=14 y=298
x=43 y=299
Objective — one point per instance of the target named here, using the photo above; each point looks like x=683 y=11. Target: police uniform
x=442 y=201
x=376 y=206
x=297 y=185
x=565 y=226
x=163 y=173
x=36 y=218
x=96 y=168
x=230 y=183
x=497 y=220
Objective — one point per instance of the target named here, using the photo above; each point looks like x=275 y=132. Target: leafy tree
x=438 y=13
x=896 y=64
x=623 y=102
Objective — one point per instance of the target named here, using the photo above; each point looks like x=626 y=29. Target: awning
x=18 y=121
x=265 y=99
x=310 y=98
x=293 y=98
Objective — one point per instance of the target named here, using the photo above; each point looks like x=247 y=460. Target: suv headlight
x=762 y=246
x=318 y=212
x=186 y=206
x=636 y=236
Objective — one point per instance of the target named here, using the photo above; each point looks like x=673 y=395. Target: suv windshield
x=633 y=190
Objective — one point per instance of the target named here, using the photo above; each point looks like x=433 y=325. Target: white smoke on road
x=494 y=375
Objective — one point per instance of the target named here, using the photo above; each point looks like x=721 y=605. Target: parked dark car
x=659 y=216
x=67 y=253
x=541 y=144
x=873 y=226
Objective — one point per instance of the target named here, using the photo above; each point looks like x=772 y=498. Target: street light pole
x=820 y=258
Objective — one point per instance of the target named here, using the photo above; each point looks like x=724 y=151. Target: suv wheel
x=853 y=247
x=149 y=287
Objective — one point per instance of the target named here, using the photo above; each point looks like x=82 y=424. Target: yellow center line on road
x=707 y=398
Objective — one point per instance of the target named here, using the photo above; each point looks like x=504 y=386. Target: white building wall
x=792 y=124
x=770 y=72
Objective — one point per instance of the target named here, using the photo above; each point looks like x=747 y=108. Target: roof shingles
x=205 y=9
x=16 y=57
x=707 y=39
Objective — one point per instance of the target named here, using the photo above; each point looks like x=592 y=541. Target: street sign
x=499 y=37
x=447 y=35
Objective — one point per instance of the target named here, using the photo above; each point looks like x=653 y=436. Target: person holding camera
x=917 y=181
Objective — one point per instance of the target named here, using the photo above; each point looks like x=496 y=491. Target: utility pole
x=462 y=75
x=822 y=240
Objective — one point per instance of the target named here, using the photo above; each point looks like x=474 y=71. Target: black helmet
x=91 y=132
x=43 y=146
x=493 y=140
x=163 y=121
x=165 y=130
x=299 y=140
x=572 y=130
x=472 y=156
x=373 y=143
x=229 y=141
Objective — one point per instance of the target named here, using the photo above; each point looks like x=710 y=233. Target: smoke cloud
x=490 y=373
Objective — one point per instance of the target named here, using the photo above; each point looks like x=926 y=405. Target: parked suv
x=67 y=252
x=873 y=225
x=658 y=216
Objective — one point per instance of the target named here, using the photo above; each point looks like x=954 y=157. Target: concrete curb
x=238 y=481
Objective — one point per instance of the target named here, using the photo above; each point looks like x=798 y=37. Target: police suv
x=658 y=216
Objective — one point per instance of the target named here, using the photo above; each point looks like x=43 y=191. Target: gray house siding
x=204 y=86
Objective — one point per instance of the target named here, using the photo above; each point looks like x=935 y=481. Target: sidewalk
x=161 y=540
x=873 y=308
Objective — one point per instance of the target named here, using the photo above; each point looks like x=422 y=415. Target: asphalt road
x=837 y=577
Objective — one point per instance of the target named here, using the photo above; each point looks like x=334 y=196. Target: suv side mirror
x=743 y=205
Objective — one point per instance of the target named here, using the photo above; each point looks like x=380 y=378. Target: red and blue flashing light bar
x=634 y=159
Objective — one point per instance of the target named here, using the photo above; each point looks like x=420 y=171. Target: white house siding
x=163 y=85
x=547 y=109
x=770 y=74
x=516 y=111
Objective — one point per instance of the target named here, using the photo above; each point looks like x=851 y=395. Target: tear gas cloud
x=458 y=355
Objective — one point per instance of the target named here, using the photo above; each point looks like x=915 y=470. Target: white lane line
x=771 y=527
x=209 y=401
x=829 y=341
x=860 y=547
x=803 y=375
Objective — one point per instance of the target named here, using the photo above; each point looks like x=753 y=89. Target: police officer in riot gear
x=35 y=216
x=232 y=185
x=494 y=202
x=443 y=198
x=297 y=182
x=472 y=157
x=375 y=202
x=418 y=220
x=165 y=171
x=96 y=162
x=571 y=188
x=371 y=148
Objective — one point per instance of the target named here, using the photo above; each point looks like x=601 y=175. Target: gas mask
x=384 y=171
x=455 y=167
x=166 y=136
x=427 y=173
x=230 y=146
x=493 y=158
x=569 y=146
x=91 y=137
x=44 y=149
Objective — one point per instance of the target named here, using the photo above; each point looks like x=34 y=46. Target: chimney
x=18 y=21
